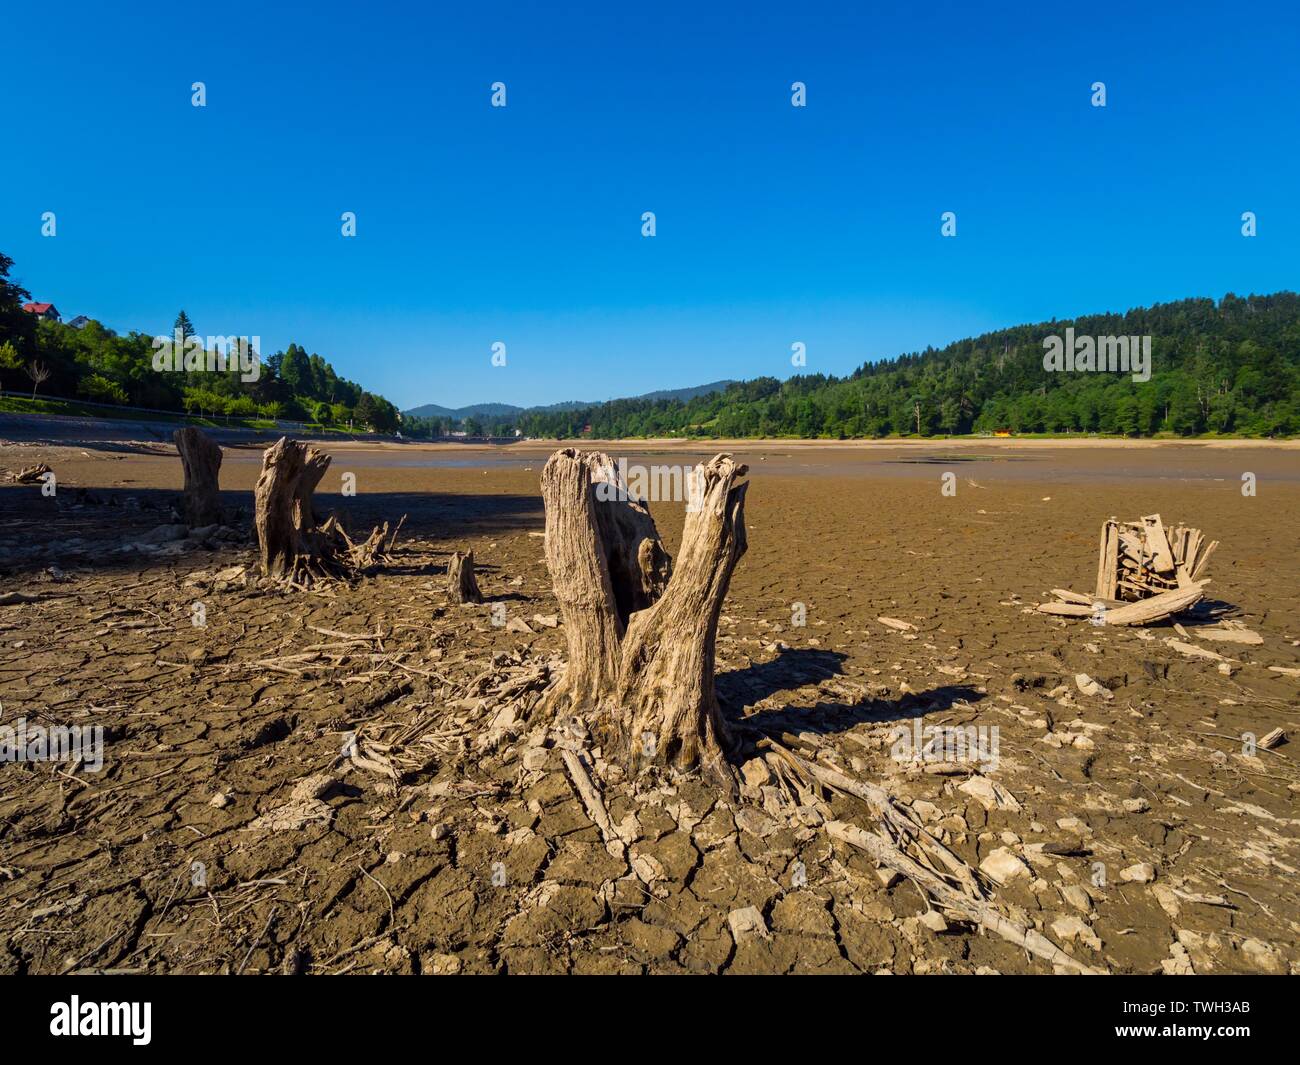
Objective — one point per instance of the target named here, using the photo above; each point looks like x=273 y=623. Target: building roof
x=38 y=308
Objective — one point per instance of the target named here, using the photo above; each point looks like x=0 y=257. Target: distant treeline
x=93 y=363
x=1231 y=366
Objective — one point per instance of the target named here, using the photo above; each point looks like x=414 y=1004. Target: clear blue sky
x=775 y=224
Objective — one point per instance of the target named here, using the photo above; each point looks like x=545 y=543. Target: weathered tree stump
x=201 y=458
x=295 y=545
x=282 y=508
x=641 y=632
x=461 y=583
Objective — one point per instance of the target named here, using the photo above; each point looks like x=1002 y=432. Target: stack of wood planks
x=1144 y=573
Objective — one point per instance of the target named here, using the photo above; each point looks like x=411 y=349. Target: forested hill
x=1227 y=366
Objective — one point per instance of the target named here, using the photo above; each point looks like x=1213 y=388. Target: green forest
x=1225 y=367
x=96 y=365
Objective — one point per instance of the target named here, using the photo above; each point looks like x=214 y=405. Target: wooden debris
x=1159 y=606
x=1228 y=633
x=1067 y=596
x=591 y=801
x=1066 y=610
x=1193 y=651
x=31 y=474
x=973 y=909
x=1144 y=573
x=1273 y=739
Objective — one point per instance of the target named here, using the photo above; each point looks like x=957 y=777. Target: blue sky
x=522 y=224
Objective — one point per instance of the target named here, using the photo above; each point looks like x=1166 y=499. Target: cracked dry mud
x=449 y=838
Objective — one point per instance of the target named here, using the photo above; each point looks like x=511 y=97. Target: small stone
x=756 y=772
x=1072 y=929
x=934 y=921
x=219 y=801
x=926 y=811
x=1089 y=686
x=1136 y=806
x=746 y=923
x=1179 y=963
x=1077 y=897
x=442 y=965
x=1141 y=873
x=1263 y=957
x=1002 y=867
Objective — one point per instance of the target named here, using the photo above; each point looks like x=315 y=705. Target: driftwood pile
x=30 y=474
x=1144 y=573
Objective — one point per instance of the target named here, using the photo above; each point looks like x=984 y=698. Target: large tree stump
x=282 y=508
x=295 y=545
x=641 y=641
x=461 y=583
x=201 y=459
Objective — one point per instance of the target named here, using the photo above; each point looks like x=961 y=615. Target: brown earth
x=454 y=840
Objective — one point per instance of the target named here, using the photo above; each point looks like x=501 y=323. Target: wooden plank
x=1158 y=544
x=1066 y=610
x=1067 y=596
x=1111 y=589
x=1204 y=559
x=1159 y=606
x=1101 y=583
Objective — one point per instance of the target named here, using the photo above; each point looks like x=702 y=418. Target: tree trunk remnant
x=295 y=544
x=282 y=507
x=461 y=583
x=640 y=631
x=667 y=706
x=201 y=458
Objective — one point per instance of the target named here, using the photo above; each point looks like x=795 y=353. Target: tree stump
x=461 y=584
x=296 y=545
x=640 y=631
x=282 y=509
x=201 y=459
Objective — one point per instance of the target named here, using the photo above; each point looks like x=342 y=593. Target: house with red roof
x=43 y=310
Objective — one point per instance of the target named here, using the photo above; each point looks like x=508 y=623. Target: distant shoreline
x=61 y=429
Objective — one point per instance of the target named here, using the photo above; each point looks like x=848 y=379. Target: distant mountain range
x=506 y=410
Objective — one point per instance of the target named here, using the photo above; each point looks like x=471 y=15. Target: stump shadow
x=795 y=667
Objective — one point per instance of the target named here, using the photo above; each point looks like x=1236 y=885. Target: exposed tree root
x=903 y=844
